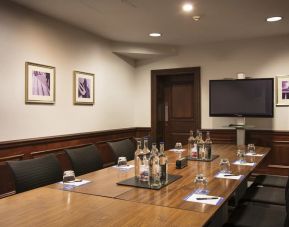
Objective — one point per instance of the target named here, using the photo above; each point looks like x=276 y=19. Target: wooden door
x=176 y=107
x=179 y=109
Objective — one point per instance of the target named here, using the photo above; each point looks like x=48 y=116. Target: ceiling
x=132 y=20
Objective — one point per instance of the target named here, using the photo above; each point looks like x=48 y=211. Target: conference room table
x=102 y=202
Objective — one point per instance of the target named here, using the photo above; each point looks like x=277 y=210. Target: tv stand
x=241 y=132
x=240 y=126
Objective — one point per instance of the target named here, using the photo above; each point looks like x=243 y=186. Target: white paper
x=235 y=177
x=244 y=163
x=76 y=184
x=254 y=155
x=127 y=167
x=193 y=198
x=177 y=150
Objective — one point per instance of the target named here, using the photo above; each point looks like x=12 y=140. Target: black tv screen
x=242 y=98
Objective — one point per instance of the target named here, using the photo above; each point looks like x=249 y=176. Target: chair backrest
x=34 y=173
x=287 y=195
x=122 y=148
x=287 y=203
x=84 y=159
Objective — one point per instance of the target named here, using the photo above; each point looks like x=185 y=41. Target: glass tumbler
x=68 y=176
x=201 y=183
x=179 y=148
x=251 y=148
x=122 y=162
x=241 y=155
x=225 y=165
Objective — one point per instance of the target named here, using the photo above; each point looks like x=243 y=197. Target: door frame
x=161 y=73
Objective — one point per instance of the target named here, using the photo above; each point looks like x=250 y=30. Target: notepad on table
x=75 y=183
x=242 y=163
x=177 y=150
x=228 y=176
x=127 y=167
x=201 y=198
x=254 y=155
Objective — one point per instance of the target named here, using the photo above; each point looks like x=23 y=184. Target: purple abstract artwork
x=285 y=89
x=40 y=83
x=83 y=88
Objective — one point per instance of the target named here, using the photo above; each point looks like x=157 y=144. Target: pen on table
x=229 y=175
x=207 y=198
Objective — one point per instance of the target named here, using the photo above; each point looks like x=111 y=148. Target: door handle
x=166 y=112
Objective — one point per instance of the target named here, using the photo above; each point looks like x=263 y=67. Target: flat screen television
x=241 y=98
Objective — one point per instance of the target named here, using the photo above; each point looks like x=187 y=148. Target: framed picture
x=282 y=90
x=83 y=88
x=39 y=83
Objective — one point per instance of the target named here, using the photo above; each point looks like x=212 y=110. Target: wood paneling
x=182 y=103
x=31 y=148
x=222 y=136
x=277 y=162
x=279 y=156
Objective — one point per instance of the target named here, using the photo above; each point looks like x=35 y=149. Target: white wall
x=122 y=94
x=27 y=36
x=266 y=57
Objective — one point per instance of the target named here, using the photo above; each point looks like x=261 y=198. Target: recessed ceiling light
x=273 y=19
x=155 y=34
x=187 y=7
x=196 y=18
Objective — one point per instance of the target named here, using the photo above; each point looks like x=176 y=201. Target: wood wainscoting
x=277 y=162
x=30 y=148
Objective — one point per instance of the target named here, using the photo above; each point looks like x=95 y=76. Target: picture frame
x=83 y=88
x=39 y=83
x=282 y=83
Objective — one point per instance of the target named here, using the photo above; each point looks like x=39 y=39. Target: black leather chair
x=122 y=148
x=261 y=214
x=270 y=195
x=84 y=159
x=257 y=214
x=287 y=204
x=34 y=173
x=271 y=181
x=267 y=194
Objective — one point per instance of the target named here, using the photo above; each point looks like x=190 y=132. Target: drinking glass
x=68 y=176
x=225 y=165
x=251 y=148
x=241 y=155
x=122 y=162
x=179 y=148
x=201 y=183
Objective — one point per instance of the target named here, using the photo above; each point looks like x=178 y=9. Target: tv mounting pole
x=241 y=130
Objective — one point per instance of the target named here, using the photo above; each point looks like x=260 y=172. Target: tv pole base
x=240 y=136
x=240 y=127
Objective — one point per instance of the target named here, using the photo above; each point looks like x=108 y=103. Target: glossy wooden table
x=49 y=207
x=132 y=206
x=173 y=194
x=103 y=182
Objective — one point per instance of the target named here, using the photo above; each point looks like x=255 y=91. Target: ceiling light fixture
x=196 y=18
x=155 y=34
x=187 y=7
x=273 y=19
